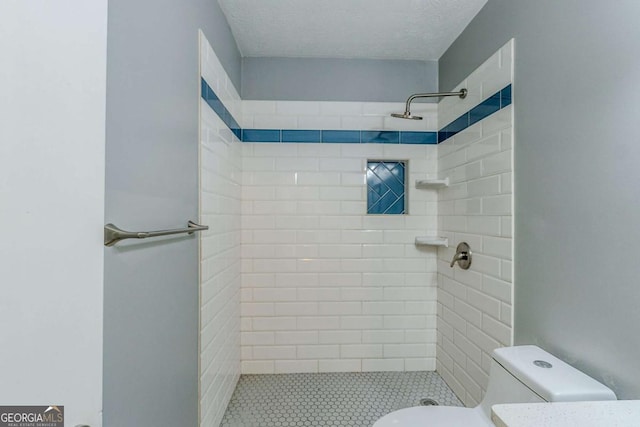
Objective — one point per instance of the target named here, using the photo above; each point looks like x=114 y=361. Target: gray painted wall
x=577 y=198
x=311 y=79
x=151 y=308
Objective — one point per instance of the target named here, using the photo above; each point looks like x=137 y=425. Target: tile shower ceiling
x=373 y=29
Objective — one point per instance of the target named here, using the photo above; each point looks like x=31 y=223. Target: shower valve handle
x=462 y=256
x=458 y=257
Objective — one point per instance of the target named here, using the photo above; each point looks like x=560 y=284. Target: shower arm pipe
x=462 y=93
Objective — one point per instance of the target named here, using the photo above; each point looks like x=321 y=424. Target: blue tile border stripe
x=494 y=103
x=505 y=97
x=418 y=137
x=341 y=136
x=261 y=135
x=379 y=137
x=298 y=135
x=216 y=105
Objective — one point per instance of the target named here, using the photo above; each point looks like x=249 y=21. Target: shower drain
x=429 y=402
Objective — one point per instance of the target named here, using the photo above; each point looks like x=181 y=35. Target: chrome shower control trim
x=462 y=256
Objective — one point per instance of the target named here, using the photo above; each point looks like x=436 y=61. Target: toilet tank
x=528 y=374
x=549 y=377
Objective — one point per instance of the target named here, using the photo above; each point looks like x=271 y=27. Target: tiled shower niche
x=386 y=187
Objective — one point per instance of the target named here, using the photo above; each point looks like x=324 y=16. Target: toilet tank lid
x=549 y=377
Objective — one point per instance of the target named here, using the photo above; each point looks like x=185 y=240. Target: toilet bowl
x=521 y=374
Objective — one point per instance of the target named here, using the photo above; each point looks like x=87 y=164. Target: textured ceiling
x=374 y=29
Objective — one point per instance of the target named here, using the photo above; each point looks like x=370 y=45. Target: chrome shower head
x=406 y=115
x=462 y=93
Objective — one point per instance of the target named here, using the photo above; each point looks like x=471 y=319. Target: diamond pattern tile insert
x=355 y=399
x=386 y=187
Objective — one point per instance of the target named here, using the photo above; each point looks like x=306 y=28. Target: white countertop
x=614 y=413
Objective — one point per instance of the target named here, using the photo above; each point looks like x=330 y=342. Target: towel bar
x=113 y=234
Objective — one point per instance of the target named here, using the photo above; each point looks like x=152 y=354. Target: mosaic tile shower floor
x=355 y=399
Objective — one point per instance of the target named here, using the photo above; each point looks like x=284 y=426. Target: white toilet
x=520 y=374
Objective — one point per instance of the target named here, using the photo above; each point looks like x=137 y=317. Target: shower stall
x=315 y=267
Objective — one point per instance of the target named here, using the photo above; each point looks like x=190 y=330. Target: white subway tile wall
x=475 y=306
x=297 y=278
x=336 y=115
x=220 y=207
x=326 y=287
x=490 y=77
